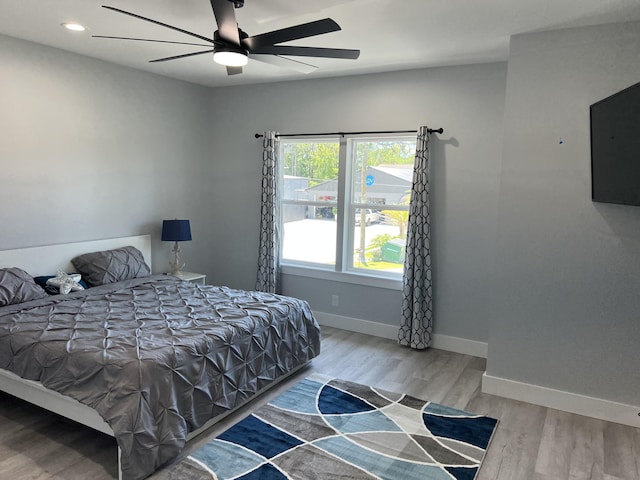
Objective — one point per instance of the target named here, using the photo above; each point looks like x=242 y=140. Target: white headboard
x=48 y=259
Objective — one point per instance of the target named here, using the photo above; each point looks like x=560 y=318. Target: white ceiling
x=391 y=34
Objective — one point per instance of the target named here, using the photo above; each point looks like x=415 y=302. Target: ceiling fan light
x=230 y=58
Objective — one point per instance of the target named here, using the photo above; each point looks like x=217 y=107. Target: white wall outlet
x=334 y=300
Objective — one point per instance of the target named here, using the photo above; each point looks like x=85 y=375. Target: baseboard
x=561 y=400
x=441 y=342
x=460 y=345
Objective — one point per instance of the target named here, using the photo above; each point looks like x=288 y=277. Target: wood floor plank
x=557 y=437
x=587 y=457
x=466 y=387
x=530 y=443
x=513 y=450
x=622 y=451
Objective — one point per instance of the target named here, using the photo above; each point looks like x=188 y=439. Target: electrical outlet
x=334 y=300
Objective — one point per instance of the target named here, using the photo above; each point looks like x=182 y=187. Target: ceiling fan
x=232 y=47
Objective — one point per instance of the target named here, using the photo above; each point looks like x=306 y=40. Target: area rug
x=324 y=428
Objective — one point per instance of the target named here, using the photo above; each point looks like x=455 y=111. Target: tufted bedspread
x=157 y=357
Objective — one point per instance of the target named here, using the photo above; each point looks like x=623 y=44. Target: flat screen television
x=615 y=148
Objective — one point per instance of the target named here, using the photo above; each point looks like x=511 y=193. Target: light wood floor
x=531 y=442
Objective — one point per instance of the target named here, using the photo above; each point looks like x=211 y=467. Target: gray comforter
x=157 y=357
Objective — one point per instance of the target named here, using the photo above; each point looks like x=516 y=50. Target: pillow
x=17 y=286
x=110 y=266
x=52 y=283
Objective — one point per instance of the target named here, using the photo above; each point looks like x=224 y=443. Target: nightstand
x=199 y=278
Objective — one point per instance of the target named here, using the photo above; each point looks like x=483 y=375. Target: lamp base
x=175 y=266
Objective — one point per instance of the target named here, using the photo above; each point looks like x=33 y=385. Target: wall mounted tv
x=615 y=148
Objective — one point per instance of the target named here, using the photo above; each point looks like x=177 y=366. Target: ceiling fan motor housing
x=220 y=42
x=237 y=3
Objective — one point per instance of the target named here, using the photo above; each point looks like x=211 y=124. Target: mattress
x=157 y=357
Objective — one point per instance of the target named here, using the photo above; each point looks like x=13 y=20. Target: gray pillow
x=110 y=266
x=17 y=286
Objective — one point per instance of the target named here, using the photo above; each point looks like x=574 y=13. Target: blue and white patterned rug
x=323 y=428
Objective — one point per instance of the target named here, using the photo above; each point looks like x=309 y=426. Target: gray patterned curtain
x=268 y=278
x=416 y=323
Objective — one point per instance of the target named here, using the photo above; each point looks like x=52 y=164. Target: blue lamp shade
x=176 y=231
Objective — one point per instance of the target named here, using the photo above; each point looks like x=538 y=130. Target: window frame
x=344 y=269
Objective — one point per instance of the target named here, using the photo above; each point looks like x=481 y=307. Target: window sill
x=344 y=277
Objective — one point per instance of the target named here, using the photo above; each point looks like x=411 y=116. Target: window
x=345 y=203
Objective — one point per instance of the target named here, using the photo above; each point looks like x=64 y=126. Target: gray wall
x=92 y=150
x=467 y=101
x=566 y=298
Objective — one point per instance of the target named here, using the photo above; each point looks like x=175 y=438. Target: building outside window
x=345 y=203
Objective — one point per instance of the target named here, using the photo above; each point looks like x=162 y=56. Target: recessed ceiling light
x=74 y=27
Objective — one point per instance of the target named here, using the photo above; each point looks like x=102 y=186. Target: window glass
x=383 y=170
x=310 y=171
x=381 y=180
x=310 y=194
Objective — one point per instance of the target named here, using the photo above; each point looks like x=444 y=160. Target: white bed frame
x=47 y=260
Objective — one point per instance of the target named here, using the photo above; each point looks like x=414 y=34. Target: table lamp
x=176 y=231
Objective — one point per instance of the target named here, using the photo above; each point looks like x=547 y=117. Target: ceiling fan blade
x=225 y=15
x=159 y=23
x=296 y=32
x=180 y=56
x=308 y=51
x=151 y=40
x=234 y=70
x=285 y=62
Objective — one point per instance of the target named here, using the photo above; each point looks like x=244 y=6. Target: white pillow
x=66 y=283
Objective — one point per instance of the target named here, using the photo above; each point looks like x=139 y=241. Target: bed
x=151 y=360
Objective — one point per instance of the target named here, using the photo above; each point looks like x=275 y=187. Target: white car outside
x=371 y=216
